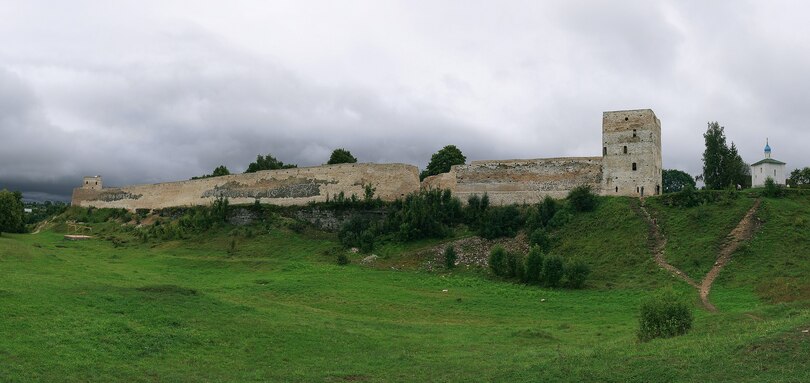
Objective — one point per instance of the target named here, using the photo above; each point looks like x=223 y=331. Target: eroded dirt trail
x=657 y=243
x=741 y=233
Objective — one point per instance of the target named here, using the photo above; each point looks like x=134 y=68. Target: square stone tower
x=631 y=153
x=92 y=182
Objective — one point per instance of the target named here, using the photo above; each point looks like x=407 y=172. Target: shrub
x=514 y=265
x=497 y=261
x=358 y=232
x=582 y=198
x=450 y=257
x=576 y=273
x=534 y=265
x=426 y=214
x=560 y=219
x=503 y=221
x=547 y=209
x=663 y=316
x=552 y=271
x=476 y=209
x=772 y=189
x=540 y=239
x=342 y=259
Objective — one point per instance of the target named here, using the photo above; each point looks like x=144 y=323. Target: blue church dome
x=767 y=147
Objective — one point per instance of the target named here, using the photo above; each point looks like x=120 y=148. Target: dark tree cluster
x=11 y=212
x=267 y=162
x=799 y=178
x=722 y=165
x=676 y=180
x=341 y=156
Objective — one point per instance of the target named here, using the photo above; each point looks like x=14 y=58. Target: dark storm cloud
x=149 y=92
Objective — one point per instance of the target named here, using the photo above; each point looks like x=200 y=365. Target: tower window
x=625 y=149
x=604 y=150
x=617 y=189
x=634 y=166
x=634 y=133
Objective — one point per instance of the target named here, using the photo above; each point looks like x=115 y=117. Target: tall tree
x=11 y=212
x=267 y=162
x=799 y=178
x=441 y=161
x=341 y=156
x=675 y=180
x=722 y=165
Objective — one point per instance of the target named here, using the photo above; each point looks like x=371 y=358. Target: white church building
x=767 y=167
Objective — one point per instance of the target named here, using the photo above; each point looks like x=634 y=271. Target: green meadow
x=276 y=307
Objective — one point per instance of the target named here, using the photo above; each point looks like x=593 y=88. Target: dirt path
x=657 y=242
x=743 y=232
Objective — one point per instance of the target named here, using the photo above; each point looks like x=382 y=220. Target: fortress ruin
x=630 y=165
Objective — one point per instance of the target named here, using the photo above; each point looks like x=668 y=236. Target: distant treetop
x=441 y=161
x=341 y=156
x=267 y=162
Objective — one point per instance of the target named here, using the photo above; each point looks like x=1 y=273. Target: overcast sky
x=153 y=91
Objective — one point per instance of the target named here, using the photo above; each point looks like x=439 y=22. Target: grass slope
x=279 y=309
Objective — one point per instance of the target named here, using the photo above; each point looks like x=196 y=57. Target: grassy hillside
x=277 y=308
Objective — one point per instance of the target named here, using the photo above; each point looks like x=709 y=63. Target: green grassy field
x=279 y=309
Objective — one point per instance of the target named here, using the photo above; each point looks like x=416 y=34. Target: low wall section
x=520 y=181
x=279 y=187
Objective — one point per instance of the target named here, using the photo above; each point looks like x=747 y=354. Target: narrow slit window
x=634 y=133
x=604 y=150
x=625 y=149
x=634 y=166
x=617 y=189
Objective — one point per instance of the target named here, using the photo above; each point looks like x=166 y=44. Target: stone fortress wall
x=630 y=165
x=285 y=187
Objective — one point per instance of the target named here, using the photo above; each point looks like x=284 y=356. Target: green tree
x=441 y=161
x=267 y=162
x=534 y=265
x=341 y=156
x=722 y=165
x=676 y=180
x=497 y=261
x=450 y=257
x=799 y=178
x=11 y=212
x=576 y=273
x=582 y=198
x=552 y=271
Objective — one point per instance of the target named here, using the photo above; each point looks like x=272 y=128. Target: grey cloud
x=142 y=98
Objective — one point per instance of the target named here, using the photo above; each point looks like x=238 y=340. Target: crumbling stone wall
x=280 y=187
x=520 y=181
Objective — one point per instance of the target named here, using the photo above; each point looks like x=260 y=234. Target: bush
x=497 y=261
x=534 y=265
x=426 y=214
x=552 y=271
x=515 y=265
x=582 y=198
x=358 y=232
x=663 y=316
x=342 y=259
x=560 y=219
x=772 y=189
x=575 y=274
x=475 y=211
x=450 y=257
x=504 y=221
x=540 y=239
